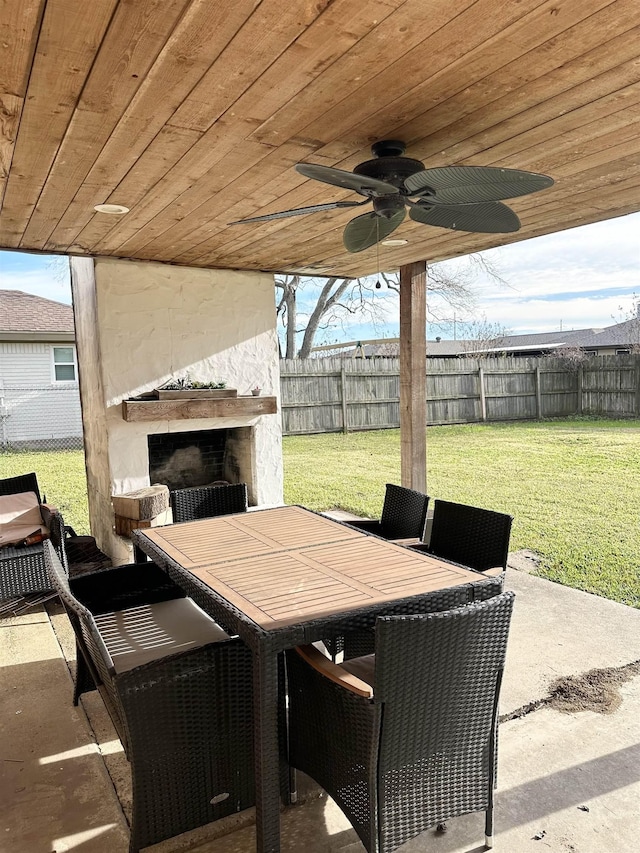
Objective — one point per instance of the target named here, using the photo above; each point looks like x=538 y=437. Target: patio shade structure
x=193 y=115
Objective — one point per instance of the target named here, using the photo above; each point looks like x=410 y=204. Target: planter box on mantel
x=195 y=393
x=183 y=409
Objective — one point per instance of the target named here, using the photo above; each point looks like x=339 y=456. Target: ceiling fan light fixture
x=111 y=209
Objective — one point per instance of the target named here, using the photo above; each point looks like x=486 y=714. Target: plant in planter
x=184 y=386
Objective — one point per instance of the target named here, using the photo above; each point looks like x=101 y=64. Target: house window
x=590 y=352
x=64 y=364
x=622 y=352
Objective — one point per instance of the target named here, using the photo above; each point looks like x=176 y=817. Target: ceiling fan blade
x=339 y=178
x=487 y=218
x=472 y=184
x=298 y=211
x=369 y=229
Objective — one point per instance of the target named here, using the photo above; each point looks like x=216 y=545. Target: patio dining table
x=286 y=576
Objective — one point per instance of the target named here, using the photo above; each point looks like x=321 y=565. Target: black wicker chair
x=470 y=535
x=404 y=514
x=22 y=568
x=179 y=691
x=406 y=739
x=207 y=501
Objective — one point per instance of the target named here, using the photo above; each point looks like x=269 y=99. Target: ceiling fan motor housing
x=391 y=170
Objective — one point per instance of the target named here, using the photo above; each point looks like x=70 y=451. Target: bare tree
x=571 y=357
x=338 y=301
x=481 y=337
x=630 y=321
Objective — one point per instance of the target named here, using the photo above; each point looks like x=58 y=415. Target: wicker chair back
x=185 y=719
x=404 y=513
x=423 y=749
x=22 y=569
x=470 y=535
x=22 y=483
x=207 y=501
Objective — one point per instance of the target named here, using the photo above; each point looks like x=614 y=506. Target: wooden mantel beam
x=413 y=397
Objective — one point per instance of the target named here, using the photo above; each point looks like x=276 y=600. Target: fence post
x=538 y=394
x=580 y=376
x=483 y=399
x=343 y=398
x=637 y=412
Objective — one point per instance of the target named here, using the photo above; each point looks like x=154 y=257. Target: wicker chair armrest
x=53 y=520
x=121 y=587
x=314 y=657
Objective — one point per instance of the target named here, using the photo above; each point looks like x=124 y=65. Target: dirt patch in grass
x=525 y=561
x=597 y=690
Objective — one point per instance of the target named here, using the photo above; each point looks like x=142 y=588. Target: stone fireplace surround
x=139 y=324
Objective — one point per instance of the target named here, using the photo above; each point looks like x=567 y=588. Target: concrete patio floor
x=567 y=782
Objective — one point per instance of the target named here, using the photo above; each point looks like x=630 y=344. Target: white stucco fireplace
x=140 y=324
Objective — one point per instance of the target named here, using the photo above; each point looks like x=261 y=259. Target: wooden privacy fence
x=343 y=395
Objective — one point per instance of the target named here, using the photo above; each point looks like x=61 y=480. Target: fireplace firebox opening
x=202 y=458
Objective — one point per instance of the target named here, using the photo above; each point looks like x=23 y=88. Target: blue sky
x=574 y=279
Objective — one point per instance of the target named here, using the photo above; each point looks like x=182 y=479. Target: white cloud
x=538 y=315
x=48 y=283
x=582 y=277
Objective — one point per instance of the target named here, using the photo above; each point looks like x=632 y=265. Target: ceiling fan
x=463 y=198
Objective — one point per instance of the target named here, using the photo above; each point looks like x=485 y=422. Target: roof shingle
x=24 y=312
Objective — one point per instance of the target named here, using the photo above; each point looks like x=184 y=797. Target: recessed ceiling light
x=396 y=242
x=111 y=209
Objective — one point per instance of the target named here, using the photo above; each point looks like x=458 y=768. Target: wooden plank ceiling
x=192 y=113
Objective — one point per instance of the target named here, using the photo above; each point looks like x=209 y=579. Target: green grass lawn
x=61 y=478
x=573 y=487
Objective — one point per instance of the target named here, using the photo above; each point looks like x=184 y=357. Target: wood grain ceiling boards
x=193 y=113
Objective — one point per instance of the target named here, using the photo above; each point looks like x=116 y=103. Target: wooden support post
x=538 y=394
x=94 y=426
x=413 y=367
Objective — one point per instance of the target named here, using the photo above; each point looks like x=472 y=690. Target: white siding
x=25 y=363
x=34 y=409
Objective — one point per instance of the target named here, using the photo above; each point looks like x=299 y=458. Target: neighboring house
x=617 y=339
x=39 y=399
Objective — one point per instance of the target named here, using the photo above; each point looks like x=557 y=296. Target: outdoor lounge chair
x=22 y=568
x=177 y=687
x=207 y=501
x=405 y=739
x=404 y=514
x=469 y=535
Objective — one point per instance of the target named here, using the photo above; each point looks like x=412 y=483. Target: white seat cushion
x=154 y=631
x=19 y=517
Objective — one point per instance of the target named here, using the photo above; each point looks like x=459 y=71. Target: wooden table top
x=286 y=565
